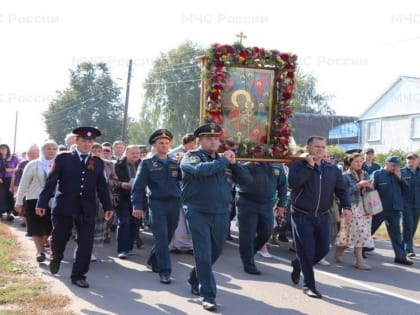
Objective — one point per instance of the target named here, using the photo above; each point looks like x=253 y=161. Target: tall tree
x=172 y=93
x=93 y=99
x=307 y=99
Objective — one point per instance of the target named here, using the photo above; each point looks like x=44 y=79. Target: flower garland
x=222 y=56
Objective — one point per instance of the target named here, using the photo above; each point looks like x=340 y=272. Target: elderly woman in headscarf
x=31 y=184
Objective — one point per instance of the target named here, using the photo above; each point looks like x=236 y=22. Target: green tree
x=172 y=94
x=307 y=99
x=93 y=99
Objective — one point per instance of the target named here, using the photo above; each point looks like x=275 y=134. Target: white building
x=393 y=121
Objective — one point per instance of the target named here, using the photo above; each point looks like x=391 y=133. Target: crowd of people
x=189 y=195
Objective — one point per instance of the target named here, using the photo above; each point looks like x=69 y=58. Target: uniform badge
x=194 y=159
x=174 y=173
x=276 y=172
x=155 y=164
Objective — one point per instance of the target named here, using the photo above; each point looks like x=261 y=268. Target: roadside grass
x=382 y=234
x=21 y=292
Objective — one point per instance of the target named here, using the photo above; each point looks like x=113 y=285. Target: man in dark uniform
x=206 y=192
x=369 y=165
x=255 y=202
x=391 y=186
x=411 y=213
x=161 y=174
x=80 y=178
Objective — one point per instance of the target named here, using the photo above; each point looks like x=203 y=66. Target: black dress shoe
x=252 y=271
x=194 y=288
x=312 y=293
x=165 y=279
x=403 y=261
x=54 y=266
x=139 y=243
x=40 y=257
x=295 y=275
x=81 y=283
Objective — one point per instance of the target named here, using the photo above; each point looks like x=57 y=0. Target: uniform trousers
x=410 y=222
x=61 y=232
x=392 y=222
x=209 y=232
x=255 y=228
x=164 y=215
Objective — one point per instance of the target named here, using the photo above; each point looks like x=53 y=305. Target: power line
x=171 y=82
x=173 y=69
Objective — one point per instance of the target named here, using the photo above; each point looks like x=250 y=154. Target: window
x=374 y=130
x=415 y=127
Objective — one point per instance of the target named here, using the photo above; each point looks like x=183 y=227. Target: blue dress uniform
x=206 y=193
x=255 y=202
x=79 y=182
x=391 y=189
x=162 y=177
x=411 y=211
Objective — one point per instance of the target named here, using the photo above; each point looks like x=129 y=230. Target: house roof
x=305 y=125
x=402 y=98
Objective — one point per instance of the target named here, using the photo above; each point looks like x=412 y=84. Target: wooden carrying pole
x=285 y=159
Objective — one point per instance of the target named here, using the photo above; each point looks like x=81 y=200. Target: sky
x=355 y=49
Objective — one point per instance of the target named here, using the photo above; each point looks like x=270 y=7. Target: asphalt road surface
x=128 y=287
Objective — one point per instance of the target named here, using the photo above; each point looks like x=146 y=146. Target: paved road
x=129 y=287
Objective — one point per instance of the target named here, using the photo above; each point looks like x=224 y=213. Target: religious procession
x=238 y=169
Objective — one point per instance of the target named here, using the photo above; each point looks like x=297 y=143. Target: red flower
x=284 y=140
x=288 y=110
x=276 y=151
x=91 y=164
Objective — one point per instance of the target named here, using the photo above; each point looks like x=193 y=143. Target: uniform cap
x=393 y=160
x=352 y=151
x=159 y=134
x=369 y=150
x=412 y=156
x=210 y=130
x=89 y=133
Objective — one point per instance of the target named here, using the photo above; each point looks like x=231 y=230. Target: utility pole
x=14 y=140
x=127 y=96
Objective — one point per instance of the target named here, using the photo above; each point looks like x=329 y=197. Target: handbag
x=371 y=202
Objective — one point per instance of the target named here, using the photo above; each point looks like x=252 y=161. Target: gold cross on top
x=241 y=36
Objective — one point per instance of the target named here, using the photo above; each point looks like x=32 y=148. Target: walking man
x=313 y=183
x=80 y=178
x=161 y=175
x=206 y=192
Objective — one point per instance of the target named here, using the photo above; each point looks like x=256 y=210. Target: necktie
x=83 y=157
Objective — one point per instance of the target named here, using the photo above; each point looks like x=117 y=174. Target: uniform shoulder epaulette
x=64 y=153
